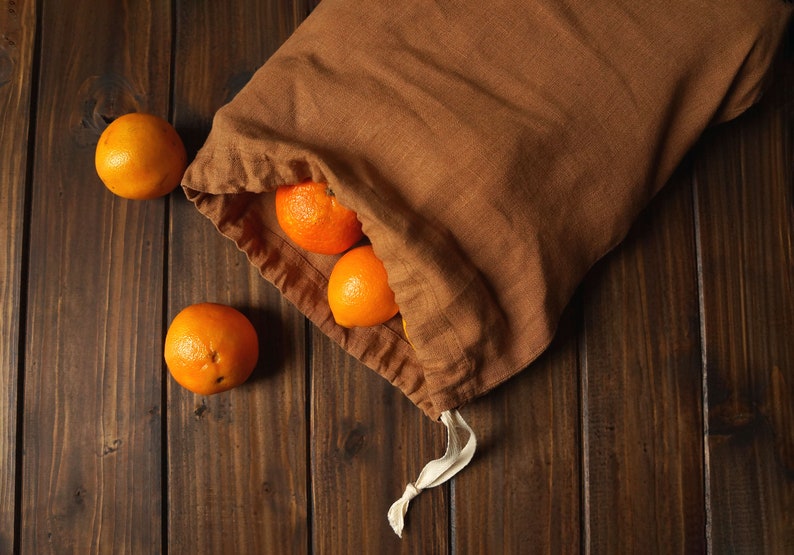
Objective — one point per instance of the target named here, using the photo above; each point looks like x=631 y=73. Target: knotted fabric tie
x=438 y=471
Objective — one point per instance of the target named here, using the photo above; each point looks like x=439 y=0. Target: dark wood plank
x=641 y=388
x=746 y=232
x=367 y=442
x=237 y=461
x=523 y=486
x=92 y=400
x=17 y=36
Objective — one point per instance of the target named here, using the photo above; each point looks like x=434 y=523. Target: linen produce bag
x=493 y=151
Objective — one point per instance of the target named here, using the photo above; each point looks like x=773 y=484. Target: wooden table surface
x=660 y=420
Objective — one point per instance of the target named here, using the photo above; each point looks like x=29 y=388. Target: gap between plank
x=452 y=536
x=584 y=444
x=308 y=351
x=164 y=373
x=703 y=368
x=24 y=291
x=164 y=389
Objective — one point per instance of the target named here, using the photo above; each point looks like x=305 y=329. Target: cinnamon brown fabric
x=494 y=151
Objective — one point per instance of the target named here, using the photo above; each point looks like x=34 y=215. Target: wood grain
x=91 y=465
x=237 y=461
x=641 y=388
x=745 y=176
x=367 y=442
x=523 y=487
x=18 y=31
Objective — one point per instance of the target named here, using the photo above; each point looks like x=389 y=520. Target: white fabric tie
x=438 y=471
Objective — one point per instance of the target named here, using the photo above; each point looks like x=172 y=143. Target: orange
x=358 y=290
x=312 y=217
x=210 y=348
x=140 y=156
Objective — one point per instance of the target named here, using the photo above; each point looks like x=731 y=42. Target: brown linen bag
x=494 y=151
